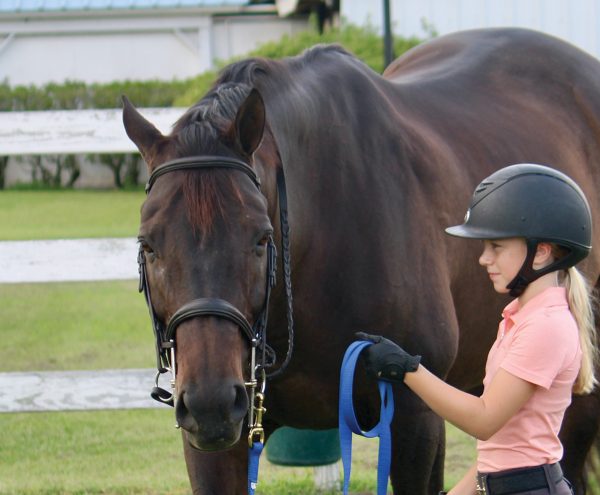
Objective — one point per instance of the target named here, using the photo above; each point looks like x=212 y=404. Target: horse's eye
x=262 y=243
x=148 y=252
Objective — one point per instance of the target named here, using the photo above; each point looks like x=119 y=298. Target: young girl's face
x=503 y=258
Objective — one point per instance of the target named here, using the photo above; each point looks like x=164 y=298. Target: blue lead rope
x=348 y=423
x=253 y=460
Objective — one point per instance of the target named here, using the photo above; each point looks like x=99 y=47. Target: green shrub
x=364 y=42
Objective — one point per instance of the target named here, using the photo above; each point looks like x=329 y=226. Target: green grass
x=124 y=452
x=69 y=214
x=139 y=452
x=69 y=326
x=82 y=325
x=79 y=325
x=105 y=325
x=460 y=455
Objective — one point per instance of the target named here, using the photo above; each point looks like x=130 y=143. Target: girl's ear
x=543 y=254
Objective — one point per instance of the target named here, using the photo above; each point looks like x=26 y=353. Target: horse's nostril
x=240 y=404
x=184 y=419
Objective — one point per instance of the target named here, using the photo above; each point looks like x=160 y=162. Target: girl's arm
x=480 y=417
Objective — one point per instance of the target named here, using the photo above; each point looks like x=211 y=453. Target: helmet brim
x=468 y=232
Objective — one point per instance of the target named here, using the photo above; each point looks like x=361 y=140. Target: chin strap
x=528 y=274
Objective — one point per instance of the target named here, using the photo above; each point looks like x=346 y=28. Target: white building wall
x=103 y=49
x=97 y=58
x=235 y=37
x=576 y=21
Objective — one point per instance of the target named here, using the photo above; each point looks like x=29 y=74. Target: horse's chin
x=213 y=441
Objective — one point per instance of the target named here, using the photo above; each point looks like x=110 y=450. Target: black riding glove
x=385 y=360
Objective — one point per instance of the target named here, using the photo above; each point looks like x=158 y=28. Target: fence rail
x=76 y=390
x=74 y=131
x=68 y=260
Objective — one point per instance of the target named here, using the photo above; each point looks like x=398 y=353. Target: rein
x=257 y=333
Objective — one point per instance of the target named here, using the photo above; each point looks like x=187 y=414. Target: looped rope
x=348 y=423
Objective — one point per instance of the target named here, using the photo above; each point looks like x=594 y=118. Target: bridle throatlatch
x=262 y=356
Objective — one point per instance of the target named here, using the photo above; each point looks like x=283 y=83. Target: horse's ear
x=140 y=131
x=249 y=123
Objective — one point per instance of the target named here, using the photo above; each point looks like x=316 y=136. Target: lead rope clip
x=256 y=442
x=257 y=429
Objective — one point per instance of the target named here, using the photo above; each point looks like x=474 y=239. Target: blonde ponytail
x=581 y=305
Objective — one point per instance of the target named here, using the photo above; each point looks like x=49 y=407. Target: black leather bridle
x=257 y=333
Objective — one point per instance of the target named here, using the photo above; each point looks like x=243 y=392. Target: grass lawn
x=139 y=452
x=99 y=325
x=77 y=325
x=69 y=214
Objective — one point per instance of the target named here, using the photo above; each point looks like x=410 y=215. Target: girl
x=535 y=224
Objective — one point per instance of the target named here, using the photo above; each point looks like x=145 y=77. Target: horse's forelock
x=199 y=132
x=206 y=193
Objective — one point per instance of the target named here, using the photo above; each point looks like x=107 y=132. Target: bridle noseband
x=256 y=334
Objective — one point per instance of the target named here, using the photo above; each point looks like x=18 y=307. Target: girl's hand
x=385 y=360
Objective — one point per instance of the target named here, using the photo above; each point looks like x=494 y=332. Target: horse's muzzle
x=212 y=418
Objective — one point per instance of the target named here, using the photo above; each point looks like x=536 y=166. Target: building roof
x=25 y=6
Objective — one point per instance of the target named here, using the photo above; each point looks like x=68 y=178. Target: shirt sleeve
x=539 y=349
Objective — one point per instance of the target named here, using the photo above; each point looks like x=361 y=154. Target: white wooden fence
x=74 y=132
x=69 y=261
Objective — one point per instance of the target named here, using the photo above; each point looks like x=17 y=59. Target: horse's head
x=204 y=238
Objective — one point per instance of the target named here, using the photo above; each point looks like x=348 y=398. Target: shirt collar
x=552 y=296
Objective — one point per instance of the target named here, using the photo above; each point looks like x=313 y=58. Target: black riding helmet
x=537 y=203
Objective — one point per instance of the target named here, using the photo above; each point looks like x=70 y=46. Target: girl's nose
x=485 y=258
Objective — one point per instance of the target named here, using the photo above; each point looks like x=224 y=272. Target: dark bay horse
x=376 y=168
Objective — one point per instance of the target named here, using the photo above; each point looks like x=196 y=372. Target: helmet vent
x=483 y=186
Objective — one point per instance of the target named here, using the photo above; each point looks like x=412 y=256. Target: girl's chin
x=501 y=289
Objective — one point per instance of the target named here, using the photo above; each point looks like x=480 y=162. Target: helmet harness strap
x=527 y=274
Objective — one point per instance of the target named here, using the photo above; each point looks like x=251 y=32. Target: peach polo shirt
x=538 y=343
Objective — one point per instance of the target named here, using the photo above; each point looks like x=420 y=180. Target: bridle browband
x=257 y=333
x=196 y=162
